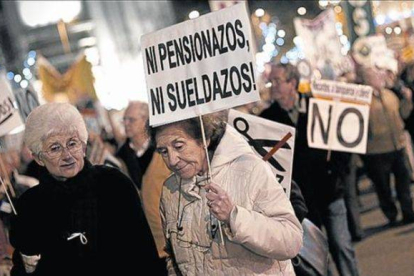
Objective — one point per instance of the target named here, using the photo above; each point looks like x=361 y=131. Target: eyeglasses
x=276 y=82
x=56 y=150
x=129 y=120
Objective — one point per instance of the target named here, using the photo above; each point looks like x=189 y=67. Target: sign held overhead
x=341 y=90
x=333 y=125
x=200 y=66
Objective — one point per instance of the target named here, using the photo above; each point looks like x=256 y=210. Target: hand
x=406 y=93
x=219 y=202
x=30 y=262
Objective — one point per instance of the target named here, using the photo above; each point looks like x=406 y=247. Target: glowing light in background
x=31 y=61
x=26 y=71
x=48 y=12
x=24 y=84
x=17 y=78
x=10 y=75
x=393 y=15
x=397 y=30
x=302 y=11
x=281 y=33
x=259 y=12
x=323 y=3
x=193 y=14
x=380 y=19
x=388 y=30
x=338 y=9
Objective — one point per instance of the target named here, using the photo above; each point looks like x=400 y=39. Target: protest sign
x=26 y=100
x=9 y=114
x=322 y=46
x=371 y=51
x=341 y=90
x=200 y=66
x=262 y=135
x=333 y=125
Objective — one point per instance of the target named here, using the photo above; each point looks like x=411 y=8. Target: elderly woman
x=260 y=232
x=81 y=219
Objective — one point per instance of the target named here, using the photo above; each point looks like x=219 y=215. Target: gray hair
x=51 y=119
x=214 y=128
x=140 y=107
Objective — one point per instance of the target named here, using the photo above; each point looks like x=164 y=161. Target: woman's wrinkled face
x=182 y=154
x=62 y=155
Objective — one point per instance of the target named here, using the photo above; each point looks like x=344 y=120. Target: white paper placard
x=262 y=135
x=333 y=125
x=200 y=66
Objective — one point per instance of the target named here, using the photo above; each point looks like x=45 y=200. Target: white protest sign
x=338 y=126
x=200 y=66
x=27 y=100
x=262 y=135
x=321 y=44
x=9 y=114
x=341 y=90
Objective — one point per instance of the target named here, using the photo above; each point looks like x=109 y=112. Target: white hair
x=51 y=119
x=141 y=108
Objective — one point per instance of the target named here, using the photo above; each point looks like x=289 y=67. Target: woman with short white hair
x=81 y=219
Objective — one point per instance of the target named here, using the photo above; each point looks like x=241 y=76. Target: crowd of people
x=168 y=201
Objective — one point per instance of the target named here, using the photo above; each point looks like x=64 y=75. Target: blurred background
x=88 y=53
x=42 y=40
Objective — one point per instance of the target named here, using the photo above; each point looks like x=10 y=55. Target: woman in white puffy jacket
x=238 y=221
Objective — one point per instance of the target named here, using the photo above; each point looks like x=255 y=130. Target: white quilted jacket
x=263 y=233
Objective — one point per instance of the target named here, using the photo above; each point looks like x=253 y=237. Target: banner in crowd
x=339 y=90
x=77 y=83
x=333 y=125
x=322 y=46
x=9 y=113
x=26 y=100
x=200 y=66
x=262 y=135
x=359 y=18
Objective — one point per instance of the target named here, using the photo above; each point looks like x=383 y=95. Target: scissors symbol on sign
x=242 y=126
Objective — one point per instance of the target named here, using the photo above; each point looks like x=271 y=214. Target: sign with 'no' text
x=333 y=125
x=200 y=66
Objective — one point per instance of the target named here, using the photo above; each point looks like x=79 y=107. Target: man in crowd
x=320 y=177
x=386 y=143
x=147 y=170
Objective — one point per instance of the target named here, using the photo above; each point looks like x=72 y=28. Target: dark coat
x=100 y=202
x=320 y=180
x=136 y=165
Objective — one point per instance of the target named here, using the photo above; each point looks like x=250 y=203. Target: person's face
x=181 y=153
x=282 y=91
x=134 y=123
x=62 y=155
x=374 y=78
